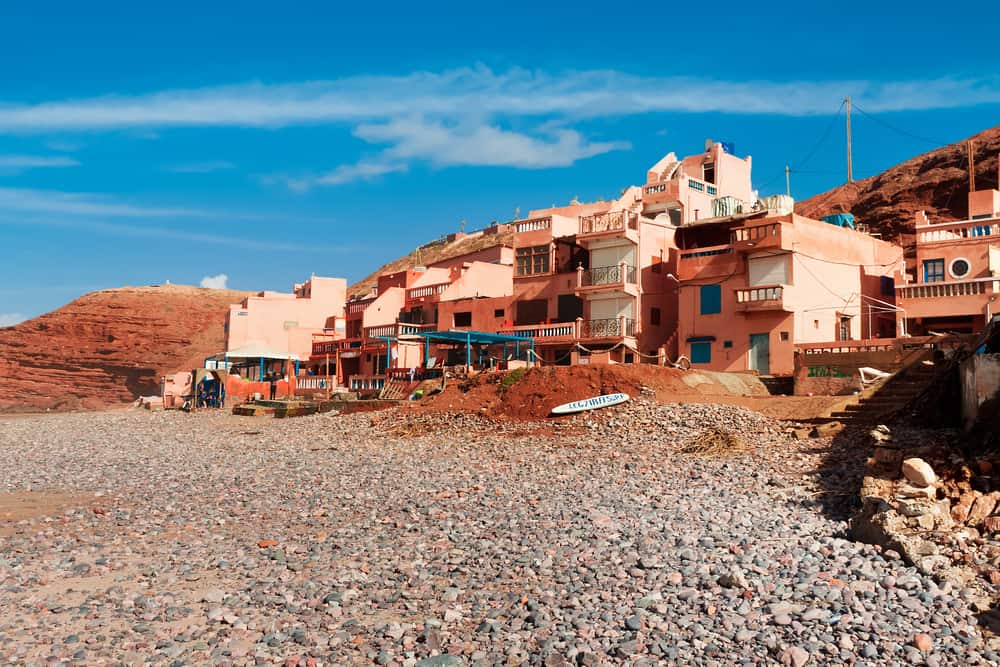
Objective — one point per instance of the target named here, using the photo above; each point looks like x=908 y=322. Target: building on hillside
x=593 y=283
x=405 y=303
x=751 y=285
x=282 y=325
x=956 y=281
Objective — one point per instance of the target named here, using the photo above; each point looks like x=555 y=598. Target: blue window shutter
x=701 y=353
x=711 y=299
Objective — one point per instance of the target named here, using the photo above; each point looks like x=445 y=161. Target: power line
x=897 y=129
x=811 y=153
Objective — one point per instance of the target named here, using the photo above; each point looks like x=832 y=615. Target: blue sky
x=265 y=141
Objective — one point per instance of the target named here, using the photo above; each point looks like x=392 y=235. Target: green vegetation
x=512 y=378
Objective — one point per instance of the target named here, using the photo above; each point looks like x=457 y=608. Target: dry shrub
x=714 y=442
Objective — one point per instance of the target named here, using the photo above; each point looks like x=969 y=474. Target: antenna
x=972 y=166
x=850 y=171
x=462 y=225
x=788 y=181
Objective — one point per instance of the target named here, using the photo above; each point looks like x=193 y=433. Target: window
x=711 y=299
x=709 y=172
x=498 y=312
x=701 y=353
x=933 y=270
x=532 y=260
x=728 y=344
x=463 y=319
x=887 y=286
x=844 y=328
x=654 y=316
x=784 y=336
x=959 y=267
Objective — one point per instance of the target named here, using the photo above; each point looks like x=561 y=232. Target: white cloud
x=215 y=282
x=79 y=203
x=365 y=170
x=17 y=163
x=200 y=167
x=10 y=319
x=481 y=91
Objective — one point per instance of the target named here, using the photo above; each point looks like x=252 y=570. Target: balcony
x=617 y=278
x=549 y=332
x=613 y=327
x=709 y=262
x=427 y=291
x=356 y=307
x=660 y=193
x=397 y=329
x=758 y=237
x=613 y=224
x=533 y=225
x=944 y=299
x=762 y=297
x=958 y=231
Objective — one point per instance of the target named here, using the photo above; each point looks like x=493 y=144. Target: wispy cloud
x=18 y=163
x=77 y=203
x=10 y=319
x=214 y=282
x=475 y=115
x=200 y=167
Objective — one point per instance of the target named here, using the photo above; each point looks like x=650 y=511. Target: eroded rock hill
x=108 y=347
x=937 y=182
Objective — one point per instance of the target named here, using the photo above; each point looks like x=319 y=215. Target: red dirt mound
x=532 y=394
x=108 y=347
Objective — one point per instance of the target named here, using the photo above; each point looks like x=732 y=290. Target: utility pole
x=788 y=181
x=972 y=167
x=850 y=171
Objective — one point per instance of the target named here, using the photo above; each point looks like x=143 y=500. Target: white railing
x=555 y=330
x=758 y=294
x=355 y=307
x=967 y=229
x=946 y=289
x=315 y=382
x=429 y=290
x=396 y=329
x=533 y=225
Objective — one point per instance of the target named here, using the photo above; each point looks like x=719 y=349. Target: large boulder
x=919 y=473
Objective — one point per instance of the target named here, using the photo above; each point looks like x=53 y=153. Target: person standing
x=273 y=380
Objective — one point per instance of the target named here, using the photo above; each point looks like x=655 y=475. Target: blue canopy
x=840 y=220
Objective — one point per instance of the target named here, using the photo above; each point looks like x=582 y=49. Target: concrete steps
x=895 y=394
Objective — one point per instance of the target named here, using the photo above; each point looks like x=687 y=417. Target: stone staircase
x=889 y=397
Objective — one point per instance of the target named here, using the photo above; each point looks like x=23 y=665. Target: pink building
x=593 y=283
x=283 y=324
x=956 y=280
x=752 y=285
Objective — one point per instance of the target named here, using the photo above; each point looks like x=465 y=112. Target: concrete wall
x=980 y=376
x=836 y=373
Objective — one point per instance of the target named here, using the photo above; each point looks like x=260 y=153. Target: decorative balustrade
x=428 y=290
x=614 y=327
x=609 y=275
x=958 y=230
x=315 y=382
x=611 y=221
x=366 y=382
x=325 y=347
x=945 y=289
x=759 y=294
x=555 y=330
x=756 y=233
x=396 y=329
x=533 y=225
x=355 y=307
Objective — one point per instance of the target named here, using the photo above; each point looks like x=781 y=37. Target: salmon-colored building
x=753 y=284
x=593 y=283
x=955 y=282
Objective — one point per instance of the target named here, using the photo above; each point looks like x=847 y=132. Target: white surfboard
x=590 y=404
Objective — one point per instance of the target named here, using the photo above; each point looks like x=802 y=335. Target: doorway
x=760 y=353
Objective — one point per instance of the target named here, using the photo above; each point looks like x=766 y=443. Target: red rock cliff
x=108 y=347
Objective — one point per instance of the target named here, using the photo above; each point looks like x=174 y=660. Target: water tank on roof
x=778 y=204
x=840 y=220
x=726 y=206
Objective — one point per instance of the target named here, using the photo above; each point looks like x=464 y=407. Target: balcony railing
x=759 y=295
x=366 y=382
x=555 y=330
x=355 y=307
x=429 y=290
x=326 y=347
x=958 y=230
x=533 y=225
x=756 y=233
x=614 y=327
x=609 y=275
x=396 y=329
x=315 y=382
x=707 y=252
x=945 y=289
x=612 y=221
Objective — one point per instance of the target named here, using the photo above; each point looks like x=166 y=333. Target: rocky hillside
x=108 y=347
x=937 y=182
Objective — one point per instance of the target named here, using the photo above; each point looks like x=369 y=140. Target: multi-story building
x=956 y=278
x=753 y=284
x=592 y=282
